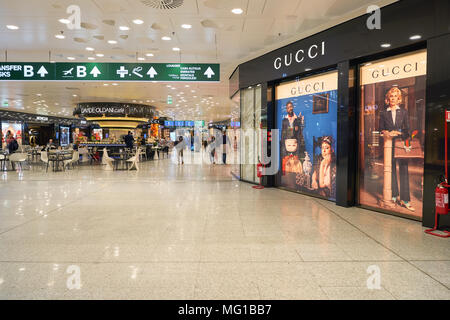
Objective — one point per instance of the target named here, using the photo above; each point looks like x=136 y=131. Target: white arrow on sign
x=95 y=72
x=209 y=72
x=152 y=72
x=42 y=72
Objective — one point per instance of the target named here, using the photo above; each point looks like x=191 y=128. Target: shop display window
x=306 y=112
x=392 y=133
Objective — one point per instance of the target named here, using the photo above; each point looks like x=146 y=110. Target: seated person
x=50 y=145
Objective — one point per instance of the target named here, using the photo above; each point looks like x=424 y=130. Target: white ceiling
x=217 y=36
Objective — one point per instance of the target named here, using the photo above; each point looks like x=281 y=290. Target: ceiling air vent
x=163 y=4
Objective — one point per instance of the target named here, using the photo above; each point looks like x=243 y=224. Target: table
x=120 y=157
x=58 y=157
x=4 y=157
x=35 y=154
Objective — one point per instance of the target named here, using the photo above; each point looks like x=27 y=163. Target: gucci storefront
x=360 y=113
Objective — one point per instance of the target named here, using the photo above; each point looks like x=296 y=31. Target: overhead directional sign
x=67 y=71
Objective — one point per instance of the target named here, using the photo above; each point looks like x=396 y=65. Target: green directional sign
x=66 y=71
x=84 y=72
x=26 y=71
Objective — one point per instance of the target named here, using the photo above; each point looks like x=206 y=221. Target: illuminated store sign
x=300 y=55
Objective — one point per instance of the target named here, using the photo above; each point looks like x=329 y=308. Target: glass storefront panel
x=307 y=116
x=250 y=133
x=392 y=133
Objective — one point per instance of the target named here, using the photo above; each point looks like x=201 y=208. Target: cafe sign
x=100 y=109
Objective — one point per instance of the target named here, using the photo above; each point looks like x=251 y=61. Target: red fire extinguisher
x=441 y=199
x=441 y=202
x=441 y=191
x=259 y=173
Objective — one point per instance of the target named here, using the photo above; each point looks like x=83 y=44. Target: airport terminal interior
x=224 y=150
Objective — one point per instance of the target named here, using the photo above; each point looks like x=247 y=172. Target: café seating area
x=111 y=157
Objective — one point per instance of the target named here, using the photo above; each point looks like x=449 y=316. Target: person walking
x=180 y=145
x=213 y=150
x=225 y=142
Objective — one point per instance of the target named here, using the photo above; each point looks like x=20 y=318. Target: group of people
x=180 y=144
x=11 y=143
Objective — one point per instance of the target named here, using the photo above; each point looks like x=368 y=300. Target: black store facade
x=360 y=112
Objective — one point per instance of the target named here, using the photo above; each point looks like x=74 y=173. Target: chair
x=142 y=152
x=18 y=157
x=44 y=158
x=134 y=162
x=73 y=160
x=3 y=160
x=107 y=160
x=84 y=153
x=166 y=151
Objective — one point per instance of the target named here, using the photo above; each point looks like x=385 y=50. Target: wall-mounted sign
x=179 y=123
x=66 y=71
x=189 y=123
x=300 y=55
x=96 y=109
x=41 y=118
x=169 y=124
x=200 y=123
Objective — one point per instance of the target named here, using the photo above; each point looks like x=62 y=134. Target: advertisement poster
x=65 y=136
x=97 y=134
x=16 y=130
x=307 y=117
x=392 y=133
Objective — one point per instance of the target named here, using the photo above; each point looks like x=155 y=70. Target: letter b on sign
x=81 y=72
x=374 y=280
x=28 y=71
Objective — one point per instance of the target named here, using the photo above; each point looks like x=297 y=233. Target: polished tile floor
x=192 y=232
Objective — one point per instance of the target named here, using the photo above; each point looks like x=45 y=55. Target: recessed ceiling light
x=415 y=37
x=237 y=11
x=112 y=41
x=124 y=28
x=74 y=95
x=100 y=55
x=106 y=84
x=64 y=21
x=12 y=27
x=149 y=54
x=176 y=49
x=70 y=58
x=91 y=58
x=165 y=38
x=138 y=21
x=115 y=84
x=90 y=49
x=186 y=26
x=60 y=36
x=141 y=59
x=386 y=45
